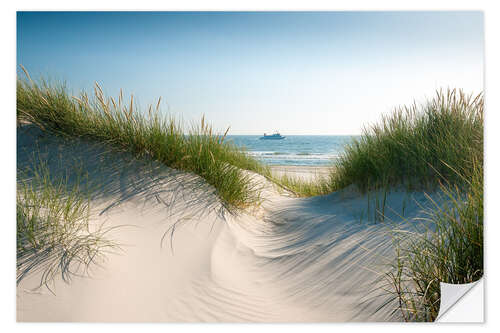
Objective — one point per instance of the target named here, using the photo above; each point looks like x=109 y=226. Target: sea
x=298 y=150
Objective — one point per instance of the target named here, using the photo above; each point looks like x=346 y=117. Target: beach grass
x=417 y=147
x=54 y=235
x=197 y=149
x=440 y=149
x=450 y=250
x=301 y=187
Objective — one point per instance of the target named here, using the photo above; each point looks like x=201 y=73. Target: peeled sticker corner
x=461 y=303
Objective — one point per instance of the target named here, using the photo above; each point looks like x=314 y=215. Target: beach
x=300 y=171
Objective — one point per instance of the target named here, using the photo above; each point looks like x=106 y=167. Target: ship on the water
x=275 y=136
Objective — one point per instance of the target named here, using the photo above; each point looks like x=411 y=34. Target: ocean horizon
x=294 y=150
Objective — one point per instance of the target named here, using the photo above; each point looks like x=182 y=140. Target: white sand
x=303 y=172
x=296 y=260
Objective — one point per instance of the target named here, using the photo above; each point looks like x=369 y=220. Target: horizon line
x=303 y=134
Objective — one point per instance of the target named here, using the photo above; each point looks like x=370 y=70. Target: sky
x=327 y=73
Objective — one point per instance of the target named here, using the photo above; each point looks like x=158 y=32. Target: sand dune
x=183 y=258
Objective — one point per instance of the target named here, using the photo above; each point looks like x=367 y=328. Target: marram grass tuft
x=417 y=147
x=145 y=134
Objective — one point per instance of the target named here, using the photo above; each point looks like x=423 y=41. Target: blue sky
x=300 y=73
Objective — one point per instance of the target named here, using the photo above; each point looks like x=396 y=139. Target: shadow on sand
x=110 y=178
x=113 y=176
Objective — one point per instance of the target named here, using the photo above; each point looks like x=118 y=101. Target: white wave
x=292 y=156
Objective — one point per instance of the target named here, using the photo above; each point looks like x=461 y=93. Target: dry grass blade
x=160 y=138
x=53 y=233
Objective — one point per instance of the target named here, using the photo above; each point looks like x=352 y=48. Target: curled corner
x=460 y=304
